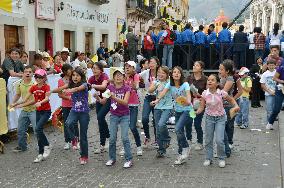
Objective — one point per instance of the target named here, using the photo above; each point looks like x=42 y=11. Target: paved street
x=255 y=162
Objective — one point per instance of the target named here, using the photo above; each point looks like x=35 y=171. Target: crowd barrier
x=3 y=115
x=184 y=55
x=55 y=101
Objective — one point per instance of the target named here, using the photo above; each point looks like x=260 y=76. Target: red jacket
x=167 y=39
x=148 y=45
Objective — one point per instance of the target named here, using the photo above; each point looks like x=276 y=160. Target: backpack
x=173 y=35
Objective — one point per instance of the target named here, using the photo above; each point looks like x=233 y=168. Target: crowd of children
x=221 y=100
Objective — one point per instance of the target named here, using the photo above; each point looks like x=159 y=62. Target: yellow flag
x=6 y=5
x=95 y=58
x=146 y=3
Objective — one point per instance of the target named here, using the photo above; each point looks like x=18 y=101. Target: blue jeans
x=25 y=119
x=269 y=104
x=229 y=130
x=133 y=123
x=163 y=137
x=65 y=114
x=84 y=119
x=279 y=97
x=197 y=125
x=215 y=124
x=42 y=118
x=182 y=118
x=147 y=109
x=123 y=121
x=168 y=56
x=242 y=117
x=102 y=110
x=258 y=53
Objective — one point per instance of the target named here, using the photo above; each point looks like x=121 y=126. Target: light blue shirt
x=167 y=101
x=176 y=92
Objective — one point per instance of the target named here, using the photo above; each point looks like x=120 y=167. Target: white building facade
x=264 y=13
x=53 y=24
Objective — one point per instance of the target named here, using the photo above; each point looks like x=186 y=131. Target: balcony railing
x=141 y=5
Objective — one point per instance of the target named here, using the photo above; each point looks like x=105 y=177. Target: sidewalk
x=255 y=163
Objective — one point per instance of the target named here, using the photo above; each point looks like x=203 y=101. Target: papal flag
x=12 y=6
x=146 y=2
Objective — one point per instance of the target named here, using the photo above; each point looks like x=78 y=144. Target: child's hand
x=38 y=104
x=153 y=103
x=199 y=111
x=96 y=96
x=271 y=92
x=12 y=105
x=112 y=96
x=236 y=109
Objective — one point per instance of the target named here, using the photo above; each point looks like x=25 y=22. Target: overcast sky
x=209 y=9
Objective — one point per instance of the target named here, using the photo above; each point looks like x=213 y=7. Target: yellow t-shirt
x=246 y=83
x=23 y=90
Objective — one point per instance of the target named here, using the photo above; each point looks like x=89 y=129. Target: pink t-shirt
x=133 y=99
x=65 y=103
x=92 y=80
x=214 y=102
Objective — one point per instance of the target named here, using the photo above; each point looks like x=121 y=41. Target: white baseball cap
x=243 y=71
x=131 y=63
x=65 y=49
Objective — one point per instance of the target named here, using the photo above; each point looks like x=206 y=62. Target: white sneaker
x=127 y=164
x=198 y=147
x=139 y=151
x=110 y=162
x=47 y=150
x=78 y=146
x=180 y=160
x=207 y=163
x=185 y=152
x=222 y=163
x=121 y=153
x=106 y=144
x=39 y=158
x=67 y=146
x=269 y=126
x=101 y=149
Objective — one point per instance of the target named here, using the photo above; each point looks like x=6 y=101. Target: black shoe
x=18 y=149
x=254 y=106
x=228 y=155
x=160 y=155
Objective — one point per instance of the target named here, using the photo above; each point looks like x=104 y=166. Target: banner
x=45 y=9
x=12 y=6
x=78 y=12
x=121 y=29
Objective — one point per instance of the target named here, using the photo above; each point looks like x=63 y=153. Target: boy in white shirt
x=268 y=86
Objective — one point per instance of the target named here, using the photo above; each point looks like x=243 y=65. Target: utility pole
x=240 y=13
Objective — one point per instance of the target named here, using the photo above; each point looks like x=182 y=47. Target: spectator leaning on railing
x=12 y=66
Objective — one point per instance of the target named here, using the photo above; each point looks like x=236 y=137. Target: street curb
x=281 y=144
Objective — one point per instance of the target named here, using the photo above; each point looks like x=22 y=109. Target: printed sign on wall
x=45 y=9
